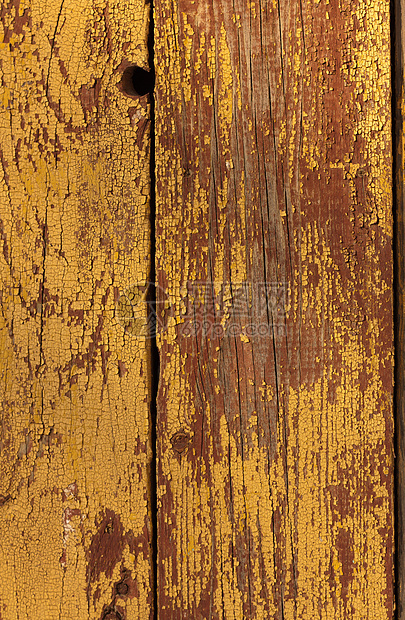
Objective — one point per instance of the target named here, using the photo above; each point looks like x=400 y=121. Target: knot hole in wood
x=137 y=82
x=180 y=441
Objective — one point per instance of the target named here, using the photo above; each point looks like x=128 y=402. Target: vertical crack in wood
x=397 y=59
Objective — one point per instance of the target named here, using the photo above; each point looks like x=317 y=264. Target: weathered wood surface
x=275 y=486
x=75 y=533
x=398 y=7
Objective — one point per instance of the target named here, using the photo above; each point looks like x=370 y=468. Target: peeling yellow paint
x=74 y=205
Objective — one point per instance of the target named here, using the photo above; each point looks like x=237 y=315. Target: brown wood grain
x=274 y=213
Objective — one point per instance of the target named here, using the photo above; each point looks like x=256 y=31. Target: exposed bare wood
x=275 y=426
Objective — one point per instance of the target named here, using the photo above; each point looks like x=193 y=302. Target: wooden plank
x=275 y=425
x=398 y=55
x=75 y=434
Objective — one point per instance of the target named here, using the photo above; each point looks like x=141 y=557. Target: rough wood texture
x=75 y=531
x=274 y=175
x=398 y=7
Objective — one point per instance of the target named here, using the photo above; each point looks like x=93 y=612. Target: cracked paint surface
x=398 y=33
x=74 y=192
x=273 y=137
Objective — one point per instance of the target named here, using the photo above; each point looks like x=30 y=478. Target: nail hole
x=137 y=82
x=122 y=588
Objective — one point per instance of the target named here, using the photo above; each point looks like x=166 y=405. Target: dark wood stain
x=106 y=547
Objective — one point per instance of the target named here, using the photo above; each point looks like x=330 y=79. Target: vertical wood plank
x=75 y=527
x=399 y=161
x=274 y=268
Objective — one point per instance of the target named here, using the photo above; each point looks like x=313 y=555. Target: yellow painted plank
x=398 y=43
x=274 y=266
x=75 y=533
